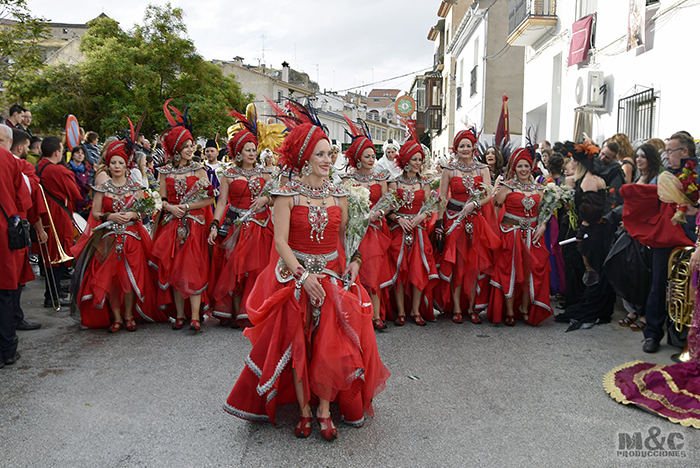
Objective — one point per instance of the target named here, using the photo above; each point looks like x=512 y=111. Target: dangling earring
x=306 y=170
x=176 y=158
x=359 y=164
x=239 y=157
x=406 y=168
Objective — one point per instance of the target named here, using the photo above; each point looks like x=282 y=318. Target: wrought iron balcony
x=530 y=20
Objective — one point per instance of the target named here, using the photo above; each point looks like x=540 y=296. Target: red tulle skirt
x=237 y=262
x=335 y=357
x=111 y=274
x=182 y=264
x=519 y=267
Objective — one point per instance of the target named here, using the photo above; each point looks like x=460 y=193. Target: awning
x=580 y=40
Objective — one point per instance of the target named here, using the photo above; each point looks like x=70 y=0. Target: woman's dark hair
x=90 y=137
x=498 y=169
x=653 y=162
x=555 y=163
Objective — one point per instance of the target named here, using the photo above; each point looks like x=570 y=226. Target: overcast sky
x=339 y=43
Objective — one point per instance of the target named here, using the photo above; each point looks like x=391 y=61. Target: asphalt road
x=459 y=395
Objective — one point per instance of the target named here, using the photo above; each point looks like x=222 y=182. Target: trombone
x=61 y=257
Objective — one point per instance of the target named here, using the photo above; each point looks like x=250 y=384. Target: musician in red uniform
x=14 y=199
x=20 y=149
x=61 y=194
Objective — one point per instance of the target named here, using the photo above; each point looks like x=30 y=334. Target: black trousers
x=58 y=271
x=657 y=315
x=8 y=336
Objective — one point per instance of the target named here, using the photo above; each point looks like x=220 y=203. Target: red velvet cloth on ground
x=239 y=258
x=520 y=265
x=335 y=358
x=672 y=392
x=118 y=265
x=648 y=220
x=182 y=263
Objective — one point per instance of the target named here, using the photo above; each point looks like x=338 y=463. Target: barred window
x=636 y=115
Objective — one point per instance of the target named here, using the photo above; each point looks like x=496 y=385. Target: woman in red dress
x=245 y=251
x=113 y=260
x=467 y=254
x=180 y=248
x=313 y=339
x=521 y=271
x=411 y=253
x=375 y=245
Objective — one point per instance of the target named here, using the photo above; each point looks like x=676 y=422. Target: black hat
x=211 y=144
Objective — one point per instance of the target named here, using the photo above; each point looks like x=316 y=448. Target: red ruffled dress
x=411 y=255
x=245 y=252
x=334 y=350
x=115 y=262
x=467 y=257
x=520 y=263
x=180 y=249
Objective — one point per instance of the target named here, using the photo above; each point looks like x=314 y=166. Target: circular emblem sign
x=405 y=106
x=72 y=132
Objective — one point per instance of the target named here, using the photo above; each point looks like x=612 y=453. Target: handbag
x=17 y=232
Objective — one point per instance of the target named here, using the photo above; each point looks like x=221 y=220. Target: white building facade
x=645 y=92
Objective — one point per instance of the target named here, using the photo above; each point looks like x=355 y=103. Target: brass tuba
x=680 y=294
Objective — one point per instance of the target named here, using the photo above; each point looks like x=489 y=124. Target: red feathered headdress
x=247 y=134
x=125 y=146
x=410 y=148
x=360 y=142
x=180 y=131
x=300 y=144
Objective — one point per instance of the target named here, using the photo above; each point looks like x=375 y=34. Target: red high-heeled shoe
x=457 y=317
x=195 y=325
x=330 y=432
x=509 y=321
x=179 y=323
x=474 y=317
x=418 y=319
x=130 y=325
x=378 y=324
x=304 y=429
x=400 y=321
x=116 y=326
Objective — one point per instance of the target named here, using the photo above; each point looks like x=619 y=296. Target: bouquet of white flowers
x=554 y=197
x=147 y=205
x=358 y=216
x=433 y=204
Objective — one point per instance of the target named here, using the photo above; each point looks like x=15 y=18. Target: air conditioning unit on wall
x=590 y=96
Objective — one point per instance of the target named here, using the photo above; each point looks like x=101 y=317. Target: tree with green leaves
x=129 y=72
x=20 y=34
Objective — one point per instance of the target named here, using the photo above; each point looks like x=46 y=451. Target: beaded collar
x=465 y=167
x=515 y=184
x=360 y=177
x=235 y=171
x=108 y=187
x=408 y=180
x=296 y=187
x=170 y=169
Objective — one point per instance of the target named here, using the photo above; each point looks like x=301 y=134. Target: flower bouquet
x=358 y=216
x=681 y=190
x=554 y=197
x=433 y=204
x=150 y=203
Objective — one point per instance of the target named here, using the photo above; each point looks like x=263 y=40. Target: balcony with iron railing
x=530 y=20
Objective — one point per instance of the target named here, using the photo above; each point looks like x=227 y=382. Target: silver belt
x=523 y=222
x=120 y=229
x=315 y=263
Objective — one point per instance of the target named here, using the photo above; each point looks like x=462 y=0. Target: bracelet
x=299 y=273
x=302 y=279
x=214 y=225
x=187 y=206
x=357 y=257
x=382 y=212
x=477 y=204
x=164 y=199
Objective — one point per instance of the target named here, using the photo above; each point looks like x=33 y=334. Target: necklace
x=170 y=169
x=523 y=186
x=360 y=177
x=408 y=180
x=471 y=167
x=253 y=176
x=311 y=191
x=108 y=186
